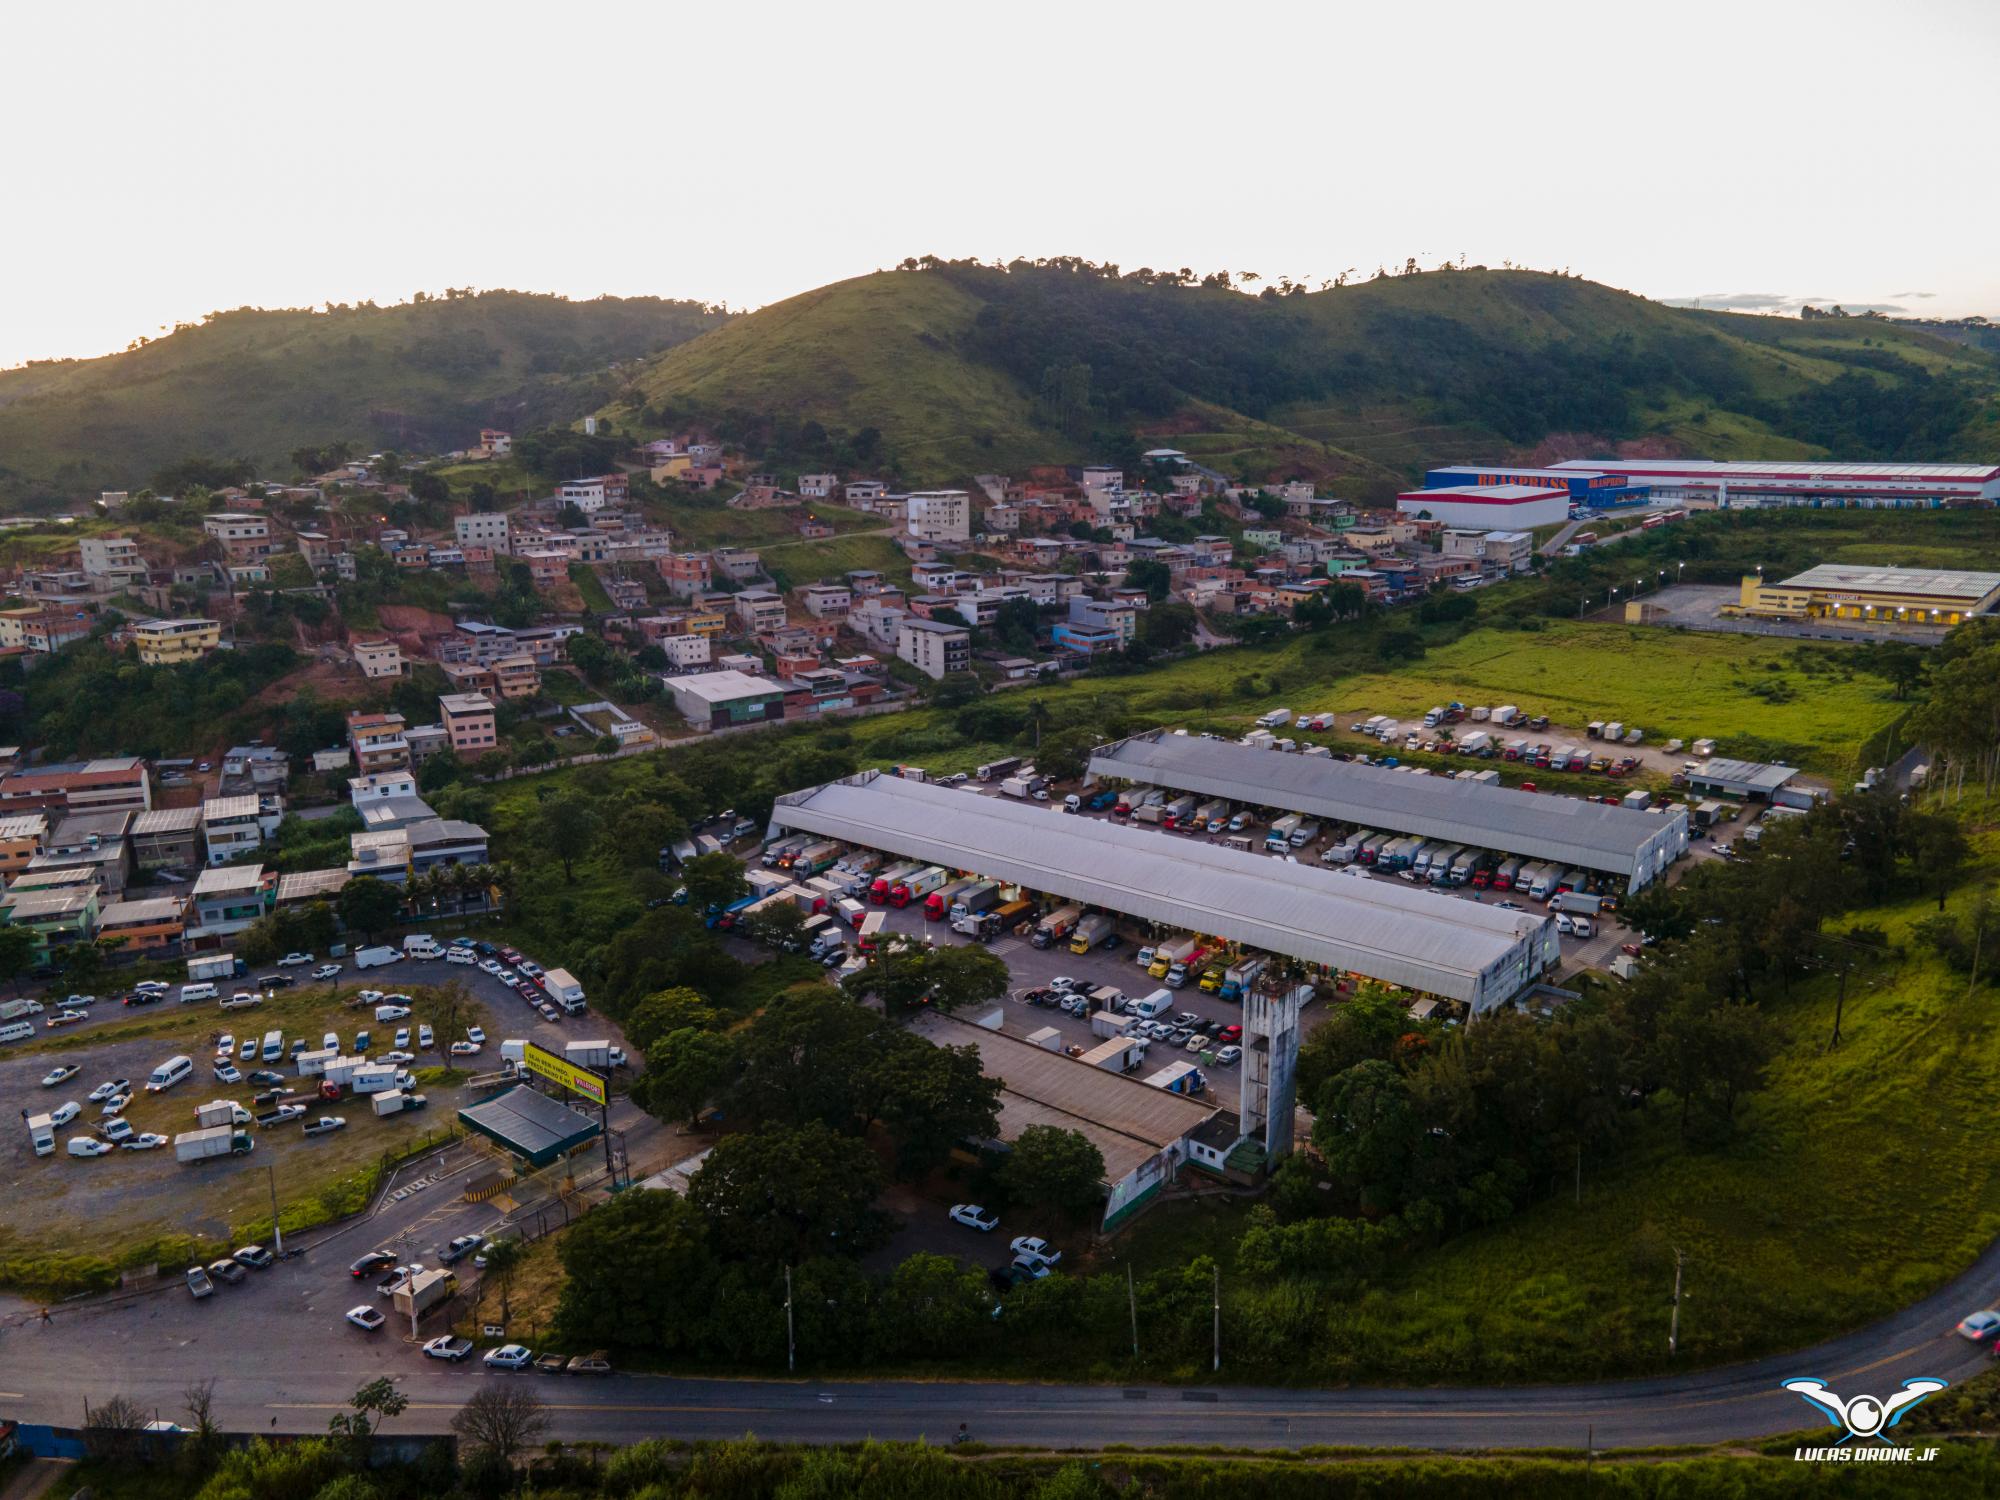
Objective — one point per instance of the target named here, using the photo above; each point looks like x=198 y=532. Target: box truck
x=851 y=912
x=917 y=886
x=1104 y=1023
x=1091 y=931
x=887 y=880
x=937 y=905
x=1116 y=1055
x=1237 y=979
x=1167 y=954
x=422 y=1292
x=1179 y=1078
x=1006 y=765
x=1019 y=786
x=1178 y=811
x=591 y=1054
x=216 y=1140
x=975 y=899
x=1303 y=833
x=1056 y=926
x=563 y=989
x=1577 y=903
x=42 y=1134
x=1279 y=838
x=220 y=1112
x=214 y=966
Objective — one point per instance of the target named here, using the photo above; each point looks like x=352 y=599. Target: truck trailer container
x=1167 y=954
x=1105 y=1023
x=589 y=1054
x=1179 y=1078
x=214 y=966
x=916 y=886
x=1303 y=833
x=937 y=905
x=395 y=1102
x=1178 y=811
x=887 y=880
x=1005 y=766
x=1239 y=976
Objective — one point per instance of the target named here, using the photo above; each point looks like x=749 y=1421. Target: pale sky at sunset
x=166 y=160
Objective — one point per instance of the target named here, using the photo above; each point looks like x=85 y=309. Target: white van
x=368 y=958
x=421 y=945
x=169 y=1073
x=190 y=993
x=17 y=1031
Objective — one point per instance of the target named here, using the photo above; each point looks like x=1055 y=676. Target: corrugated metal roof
x=1967 y=587
x=1589 y=834
x=1753 y=774
x=1128 y=1121
x=1419 y=938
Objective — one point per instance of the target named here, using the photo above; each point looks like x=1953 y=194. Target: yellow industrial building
x=1884 y=596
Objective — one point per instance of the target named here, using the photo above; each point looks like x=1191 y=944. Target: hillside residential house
x=163 y=642
x=378 y=740
x=378 y=657
x=940 y=516
x=167 y=838
x=595 y=493
x=817 y=486
x=229 y=826
x=113 y=561
x=738 y=564
x=112 y=784
x=826 y=601
x=230 y=899
x=934 y=647
x=487 y=529
x=243 y=536
x=685 y=650
x=686 y=573
x=380 y=786
x=468 y=724
x=759 y=609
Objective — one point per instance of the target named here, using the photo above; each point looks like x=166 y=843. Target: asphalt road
x=268 y=1377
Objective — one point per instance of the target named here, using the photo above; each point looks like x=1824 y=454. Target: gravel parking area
x=97 y=1206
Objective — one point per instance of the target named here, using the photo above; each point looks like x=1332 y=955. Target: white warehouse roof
x=1421 y=939
x=1615 y=840
x=1968 y=588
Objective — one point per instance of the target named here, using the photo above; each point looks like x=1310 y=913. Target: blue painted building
x=1590 y=487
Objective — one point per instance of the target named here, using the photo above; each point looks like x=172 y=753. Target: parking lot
x=127 y=1198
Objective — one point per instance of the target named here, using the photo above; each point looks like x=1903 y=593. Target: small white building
x=940 y=516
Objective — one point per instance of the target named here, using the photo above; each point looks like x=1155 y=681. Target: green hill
x=255 y=384
x=932 y=374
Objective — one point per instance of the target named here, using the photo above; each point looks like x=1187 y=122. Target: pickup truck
x=280 y=1115
x=446 y=1347
x=325 y=1125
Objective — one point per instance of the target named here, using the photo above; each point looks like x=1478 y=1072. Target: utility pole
x=277 y=1234
x=791 y=1343
x=1217 y=1306
x=1579 y=1174
x=1839 y=1006
x=1132 y=1304
x=1674 y=1329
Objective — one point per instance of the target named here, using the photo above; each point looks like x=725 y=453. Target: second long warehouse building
x=1588 y=835
x=1420 y=939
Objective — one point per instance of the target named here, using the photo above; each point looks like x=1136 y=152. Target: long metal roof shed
x=530 y=1124
x=1615 y=840
x=1418 y=938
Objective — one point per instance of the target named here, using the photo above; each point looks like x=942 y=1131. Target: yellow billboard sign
x=561 y=1070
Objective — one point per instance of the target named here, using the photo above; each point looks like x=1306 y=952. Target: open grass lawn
x=714 y=523
x=832 y=558
x=1670 y=683
x=1739 y=689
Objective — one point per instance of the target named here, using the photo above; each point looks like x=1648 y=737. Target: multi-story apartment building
x=940 y=516
x=378 y=741
x=482 y=529
x=230 y=825
x=378 y=657
x=164 y=642
x=242 y=535
x=112 y=560
x=934 y=647
x=468 y=724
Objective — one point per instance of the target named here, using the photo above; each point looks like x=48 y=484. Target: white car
x=331 y=1039
x=1033 y=1247
x=398 y=1058
x=1564 y=925
x=366 y=1318
x=115 y=1105
x=248 y=1051
x=150 y=1141
x=532 y=969
x=490 y=966
x=64 y=1112
x=228 y=1072
x=475 y=1035
x=464 y=1049
x=60 y=1073
x=509 y=1357
x=972 y=1216
x=105 y=1090
x=371 y=997
x=295 y=960
x=225 y=1045
x=426 y=1038
x=402 y=1038
x=1064 y=982
x=83 y=1145
x=460 y=956
x=327 y=971
x=509 y=978
x=1228 y=1056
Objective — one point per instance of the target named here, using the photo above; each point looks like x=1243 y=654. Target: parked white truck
x=213 y=1141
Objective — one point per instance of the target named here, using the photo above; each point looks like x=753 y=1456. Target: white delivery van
x=421 y=945
x=190 y=993
x=169 y=1073
x=42 y=1133
x=369 y=958
x=17 y=1031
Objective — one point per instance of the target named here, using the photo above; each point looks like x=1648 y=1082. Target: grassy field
x=1741 y=690
x=1671 y=683
x=794 y=563
x=713 y=523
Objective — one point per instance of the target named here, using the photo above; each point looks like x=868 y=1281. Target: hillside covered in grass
x=954 y=368
x=258 y=384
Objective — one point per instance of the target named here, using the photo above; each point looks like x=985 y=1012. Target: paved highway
x=290 y=1364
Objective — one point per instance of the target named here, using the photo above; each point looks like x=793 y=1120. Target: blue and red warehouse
x=1489 y=507
x=1586 y=487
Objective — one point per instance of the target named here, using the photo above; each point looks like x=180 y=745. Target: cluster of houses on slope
x=76 y=837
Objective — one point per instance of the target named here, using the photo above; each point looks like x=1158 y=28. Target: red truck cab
x=899 y=895
x=878 y=892
x=934 y=907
